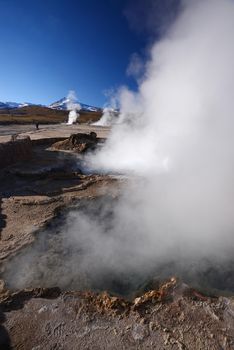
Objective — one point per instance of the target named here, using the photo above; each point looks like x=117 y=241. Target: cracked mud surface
x=172 y=316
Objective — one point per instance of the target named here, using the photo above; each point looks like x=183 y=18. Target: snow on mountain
x=11 y=105
x=7 y=105
x=62 y=104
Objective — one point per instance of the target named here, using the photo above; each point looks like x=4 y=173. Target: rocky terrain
x=172 y=317
x=35 y=190
x=78 y=143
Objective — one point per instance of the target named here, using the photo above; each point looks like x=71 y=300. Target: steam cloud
x=73 y=107
x=175 y=140
x=176 y=135
x=108 y=118
x=110 y=113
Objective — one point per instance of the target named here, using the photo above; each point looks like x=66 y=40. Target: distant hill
x=43 y=115
x=11 y=105
x=57 y=112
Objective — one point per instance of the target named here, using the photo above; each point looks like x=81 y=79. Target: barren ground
x=49 y=131
x=172 y=316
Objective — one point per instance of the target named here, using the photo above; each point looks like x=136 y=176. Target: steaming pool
x=76 y=251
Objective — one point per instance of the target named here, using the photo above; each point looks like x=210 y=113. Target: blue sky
x=49 y=47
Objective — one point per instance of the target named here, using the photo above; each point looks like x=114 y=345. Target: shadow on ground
x=47 y=172
x=2 y=218
x=5 y=342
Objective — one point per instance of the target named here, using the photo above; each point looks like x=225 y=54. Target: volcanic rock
x=78 y=142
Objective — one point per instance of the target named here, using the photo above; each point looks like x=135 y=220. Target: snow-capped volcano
x=65 y=101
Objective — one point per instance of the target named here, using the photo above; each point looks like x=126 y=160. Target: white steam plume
x=176 y=132
x=110 y=112
x=108 y=118
x=73 y=107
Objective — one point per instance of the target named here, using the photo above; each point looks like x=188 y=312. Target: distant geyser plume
x=110 y=112
x=73 y=107
x=108 y=117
